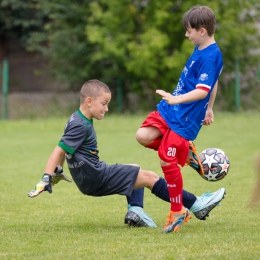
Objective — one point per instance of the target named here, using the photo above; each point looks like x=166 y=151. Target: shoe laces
x=173 y=216
x=206 y=195
x=168 y=220
x=138 y=209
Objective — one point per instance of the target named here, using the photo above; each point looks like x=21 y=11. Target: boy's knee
x=152 y=177
x=140 y=136
x=147 y=178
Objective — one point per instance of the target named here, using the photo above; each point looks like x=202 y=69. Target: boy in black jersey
x=96 y=178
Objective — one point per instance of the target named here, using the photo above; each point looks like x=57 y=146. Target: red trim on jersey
x=203 y=88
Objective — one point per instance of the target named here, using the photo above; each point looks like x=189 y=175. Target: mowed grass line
x=68 y=225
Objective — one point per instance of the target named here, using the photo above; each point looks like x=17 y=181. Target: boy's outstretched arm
x=196 y=94
x=52 y=175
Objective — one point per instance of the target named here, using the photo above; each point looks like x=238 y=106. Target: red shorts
x=173 y=148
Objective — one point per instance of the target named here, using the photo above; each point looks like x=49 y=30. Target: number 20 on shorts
x=171 y=151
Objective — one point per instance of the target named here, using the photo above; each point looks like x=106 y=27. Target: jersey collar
x=81 y=115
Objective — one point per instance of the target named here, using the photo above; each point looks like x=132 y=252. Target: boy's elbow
x=203 y=94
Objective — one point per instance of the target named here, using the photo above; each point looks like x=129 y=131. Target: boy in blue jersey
x=96 y=178
x=180 y=115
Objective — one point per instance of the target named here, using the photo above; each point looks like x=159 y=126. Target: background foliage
x=136 y=45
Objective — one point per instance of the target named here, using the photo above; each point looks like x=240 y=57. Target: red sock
x=174 y=181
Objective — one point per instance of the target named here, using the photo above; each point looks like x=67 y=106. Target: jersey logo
x=68 y=156
x=203 y=76
x=171 y=151
x=75 y=165
x=93 y=150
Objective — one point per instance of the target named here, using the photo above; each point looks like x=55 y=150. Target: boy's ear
x=203 y=31
x=88 y=101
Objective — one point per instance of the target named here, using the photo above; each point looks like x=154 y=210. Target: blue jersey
x=202 y=71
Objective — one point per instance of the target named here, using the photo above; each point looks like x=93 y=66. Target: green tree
x=140 y=43
x=64 y=42
x=239 y=38
x=19 y=19
x=145 y=39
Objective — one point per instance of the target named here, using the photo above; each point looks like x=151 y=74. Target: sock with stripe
x=161 y=191
x=174 y=181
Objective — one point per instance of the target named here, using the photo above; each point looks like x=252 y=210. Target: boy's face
x=99 y=106
x=195 y=36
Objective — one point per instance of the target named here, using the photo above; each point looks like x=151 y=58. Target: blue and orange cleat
x=193 y=159
x=176 y=219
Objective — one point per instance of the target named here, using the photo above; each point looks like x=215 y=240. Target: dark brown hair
x=93 y=88
x=200 y=16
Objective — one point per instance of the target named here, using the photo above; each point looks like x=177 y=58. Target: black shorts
x=114 y=179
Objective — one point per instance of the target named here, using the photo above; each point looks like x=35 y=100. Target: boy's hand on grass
x=43 y=185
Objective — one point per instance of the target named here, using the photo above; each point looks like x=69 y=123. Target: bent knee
x=140 y=137
x=146 y=135
x=139 y=134
x=148 y=175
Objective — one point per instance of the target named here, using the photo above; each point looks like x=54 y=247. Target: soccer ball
x=215 y=164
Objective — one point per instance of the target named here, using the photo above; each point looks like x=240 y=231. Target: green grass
x=68 y=225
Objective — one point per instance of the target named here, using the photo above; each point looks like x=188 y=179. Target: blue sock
x=160 y=190
x=137 y=198
x=188 y=199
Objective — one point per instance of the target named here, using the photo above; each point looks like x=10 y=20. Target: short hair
x=200 y=16
x=93 y=88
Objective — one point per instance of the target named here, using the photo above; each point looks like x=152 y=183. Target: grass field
x=68 y=225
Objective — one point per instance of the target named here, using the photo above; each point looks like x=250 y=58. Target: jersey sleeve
x=72 y=138
x=206 y=75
